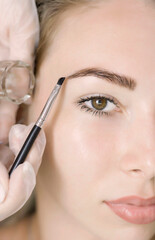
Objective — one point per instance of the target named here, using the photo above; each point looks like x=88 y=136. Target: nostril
x=136 y=170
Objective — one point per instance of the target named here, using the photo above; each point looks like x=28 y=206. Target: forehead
x=117 y=35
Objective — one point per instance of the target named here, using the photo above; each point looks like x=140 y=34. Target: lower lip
x=134 y=214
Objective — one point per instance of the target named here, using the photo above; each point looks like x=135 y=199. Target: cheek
x=81 y=164
x=81 y=152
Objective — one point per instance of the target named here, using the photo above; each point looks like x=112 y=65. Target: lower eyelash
x=94 y=112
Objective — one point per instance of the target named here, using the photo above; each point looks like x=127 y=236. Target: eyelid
x=113 y=99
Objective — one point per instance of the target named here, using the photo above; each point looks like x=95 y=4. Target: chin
x=138 y=232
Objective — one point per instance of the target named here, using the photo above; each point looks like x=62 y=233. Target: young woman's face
x=92 y=157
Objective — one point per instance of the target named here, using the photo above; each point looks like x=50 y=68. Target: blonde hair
x=50 y=13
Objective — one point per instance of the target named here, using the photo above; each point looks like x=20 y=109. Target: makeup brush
x=37 y=127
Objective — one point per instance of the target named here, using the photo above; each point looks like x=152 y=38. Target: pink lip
x=134 y=209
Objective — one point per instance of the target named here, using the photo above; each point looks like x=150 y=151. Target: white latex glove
x=19 y=34
x=14 y=192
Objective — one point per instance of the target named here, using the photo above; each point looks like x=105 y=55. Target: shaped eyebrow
x=112 y=77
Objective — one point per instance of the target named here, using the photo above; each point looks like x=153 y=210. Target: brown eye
x=99 y=103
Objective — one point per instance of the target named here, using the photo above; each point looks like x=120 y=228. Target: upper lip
x=134 y=200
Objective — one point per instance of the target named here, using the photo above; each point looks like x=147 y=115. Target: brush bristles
x=60 y=81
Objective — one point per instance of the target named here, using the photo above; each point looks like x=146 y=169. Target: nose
x=138 y=155
x=139 y=165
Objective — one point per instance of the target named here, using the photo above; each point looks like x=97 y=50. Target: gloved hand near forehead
x=19 y=34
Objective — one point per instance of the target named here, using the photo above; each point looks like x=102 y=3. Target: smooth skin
x=89 y=159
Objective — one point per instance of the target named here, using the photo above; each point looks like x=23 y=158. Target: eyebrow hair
x=112 y=77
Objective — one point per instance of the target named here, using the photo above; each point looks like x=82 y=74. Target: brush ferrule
x=48 y=105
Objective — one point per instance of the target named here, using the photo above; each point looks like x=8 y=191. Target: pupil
x=99 y=102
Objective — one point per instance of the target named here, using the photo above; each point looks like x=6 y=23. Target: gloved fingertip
x=41 y=142
x=2 y=193
x=29 y=177
x=17 y=130
x=16 y=136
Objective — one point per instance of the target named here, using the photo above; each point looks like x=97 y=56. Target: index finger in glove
x=19 y=33
x=24 y=32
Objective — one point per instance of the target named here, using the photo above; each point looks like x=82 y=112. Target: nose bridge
x=140 y=153
x=146 y=130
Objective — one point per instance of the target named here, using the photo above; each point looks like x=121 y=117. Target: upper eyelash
x=93 y=111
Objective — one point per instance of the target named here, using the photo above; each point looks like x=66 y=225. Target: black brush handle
x=25 y=148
